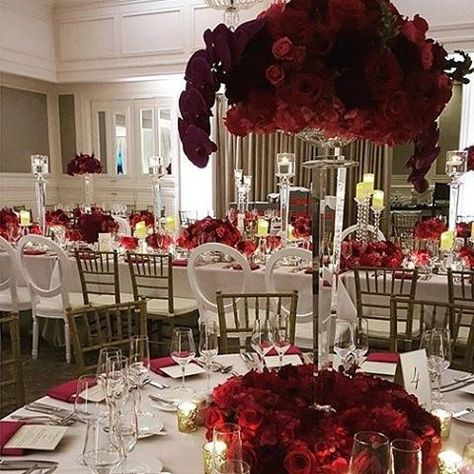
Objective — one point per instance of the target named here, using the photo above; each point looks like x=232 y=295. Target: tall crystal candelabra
x=88 y=191
x=285 y=172
x=157 y=170
x=377 y=208
x=363 y=217
x=456 y=166
x=39 y=168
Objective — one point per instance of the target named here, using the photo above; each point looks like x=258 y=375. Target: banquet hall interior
x=237 y=229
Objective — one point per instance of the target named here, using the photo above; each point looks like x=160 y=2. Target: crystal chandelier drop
x=231 y=9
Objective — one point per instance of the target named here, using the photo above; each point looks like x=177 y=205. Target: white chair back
x=206 y=302
x=53 y=286
x=123 y=225
x=9 y=271
x=353 y=228
x=304 y=294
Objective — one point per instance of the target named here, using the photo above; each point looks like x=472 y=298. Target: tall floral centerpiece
x=86 y=165
x=352 y=69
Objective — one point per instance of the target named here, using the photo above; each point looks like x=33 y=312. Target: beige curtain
x=256 y=155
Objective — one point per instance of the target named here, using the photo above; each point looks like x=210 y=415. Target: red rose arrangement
x=88 y=225
x=35 y=229
x=159 y=241
x=466 y=254
x=348 y=68
x=430 y=229
x=247 y=247
x=84 y=163
x=283 y=433
x=470 y=158
x=9 y=224
x=146 y=216
x=301 y=227
x=421 y=257
x=374 y=254
x=273 y=242
x=209 y=230
x=463 y=229
x=129 y=243
x=57 y=218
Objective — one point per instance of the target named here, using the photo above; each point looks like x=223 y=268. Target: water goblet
x=370 y=453
x=183 y=351
x=262 y=339
x=405 y=457
x=208 y=346
x=361 y=339
x=343 y=339
x=230 y=436
x=281 y=336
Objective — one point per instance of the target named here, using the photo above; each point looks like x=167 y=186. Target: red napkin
x=157 y=364
x=253 y=266
x=7 y=430
x=389 y=357
x=65 y=392
x=291 y=350
x=180 y=262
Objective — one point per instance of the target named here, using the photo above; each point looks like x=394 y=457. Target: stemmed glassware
x=361 y=339
x=437 y=343
x=230 y=436
x=183 y=351
x=262 y=339
x=344 y=339
x=104 y=355
x=233 y=466
x=208 y=346
x=370 y=453
x=90 y=397
x=139 y=364
x=405 y=457
x=281 y=336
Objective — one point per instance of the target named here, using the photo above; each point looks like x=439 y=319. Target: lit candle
x=171 y=223
x=187 y=417
x=445 y=421
x=472 y=231
x=262 y=227
x=447 y=240
x=214 y=454
x=369 y=178
x=362 y=191
x=378 y=200
x=140 y=230
x=25 y=218
x=291 y=233
x=449 y=462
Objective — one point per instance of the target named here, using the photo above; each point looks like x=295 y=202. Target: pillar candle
x=262 y=227
x=171 y=223
x=140 y=230
x=362 y=190
x=472 y=231
x=369 y=178
x=25 y=217
x=447 y=240
x=378 y=200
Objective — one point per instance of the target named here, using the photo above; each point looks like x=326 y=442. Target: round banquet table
x=182 y=453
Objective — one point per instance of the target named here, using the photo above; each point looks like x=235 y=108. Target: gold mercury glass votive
x=449 y=462
x=211 y=449
x=445 y=418
x=187 y=417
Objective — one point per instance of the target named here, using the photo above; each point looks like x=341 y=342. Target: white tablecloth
x=181 y=453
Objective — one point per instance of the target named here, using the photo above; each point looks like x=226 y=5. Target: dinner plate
x=458 y=406
x=140 y=464
x=148 y=425
x=468 y=389
x=174 y=371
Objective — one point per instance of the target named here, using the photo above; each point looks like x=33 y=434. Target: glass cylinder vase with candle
x=285 y=172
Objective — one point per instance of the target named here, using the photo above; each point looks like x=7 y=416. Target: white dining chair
x=51 y=296
x=353 y=228
x=304 y=312
x=206 y=301
x=123 y=225
x=13 y=297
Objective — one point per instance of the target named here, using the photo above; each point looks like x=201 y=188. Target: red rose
x=35 y=229
x=213 y=417
x=283 y=49
x=237 y=123
x=396 y=105
x=129 y=243
x=275 y=74
x=383 y=72
x=250 y=419
x=299 y=460
x=463 y=229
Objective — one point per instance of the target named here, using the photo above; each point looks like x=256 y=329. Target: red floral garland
x=207 y=230
x=373 y=254
x=84 y=163
x=282 y=433
x=429 y=229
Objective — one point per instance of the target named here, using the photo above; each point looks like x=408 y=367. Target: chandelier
x=231 y=9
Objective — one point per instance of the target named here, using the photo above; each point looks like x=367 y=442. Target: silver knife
x=464 y=378
x=59 y=413
x=457 y=385
x=461 y=413
x=163 y=400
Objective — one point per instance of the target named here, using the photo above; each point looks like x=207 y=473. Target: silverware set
x=60 y=414
x=28 y=466
x=216 y=366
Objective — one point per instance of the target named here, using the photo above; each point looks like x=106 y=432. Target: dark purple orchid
x=196 y=143
x=194 y=109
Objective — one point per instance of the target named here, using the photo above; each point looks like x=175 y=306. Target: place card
x=105 y=242
x=37 y=437
x=174 y=371
x=379 y=368
x=412 y=373
x=274 y=361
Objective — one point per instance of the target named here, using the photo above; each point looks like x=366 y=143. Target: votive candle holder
x=187 y=417
x=444 y=418
x=214 y=454
x=449 y=462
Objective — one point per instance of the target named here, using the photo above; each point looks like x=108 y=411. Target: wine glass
x=281 y=336
x=262 y=339
x=101 y=452
x=361 y=339
x=405 y=457
x=233 y=466
x=117 y=382
x=90 y=395
x=230 y=436
x=344 y=339
x=208 y=346
x=370 y=453
x=139 y=363
x=104 y=354
x=183 y=351
x=437 y=343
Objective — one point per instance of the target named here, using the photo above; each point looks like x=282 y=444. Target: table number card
x=412 y=373
x=105 y=242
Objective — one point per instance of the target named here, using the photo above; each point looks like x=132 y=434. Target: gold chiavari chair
x=374 y=288
x=96 y=327
x=152 y=281
x=99 y=275
x=463 y=338
x=429 y=314
x=11 y=367
x=246 y=308
x=403 y=223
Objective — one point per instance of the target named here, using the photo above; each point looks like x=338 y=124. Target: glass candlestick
x=377 y=212
x=363 y=216
x=456 y=166
x=39 y=168
x=157 y=171
x=285 y=172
